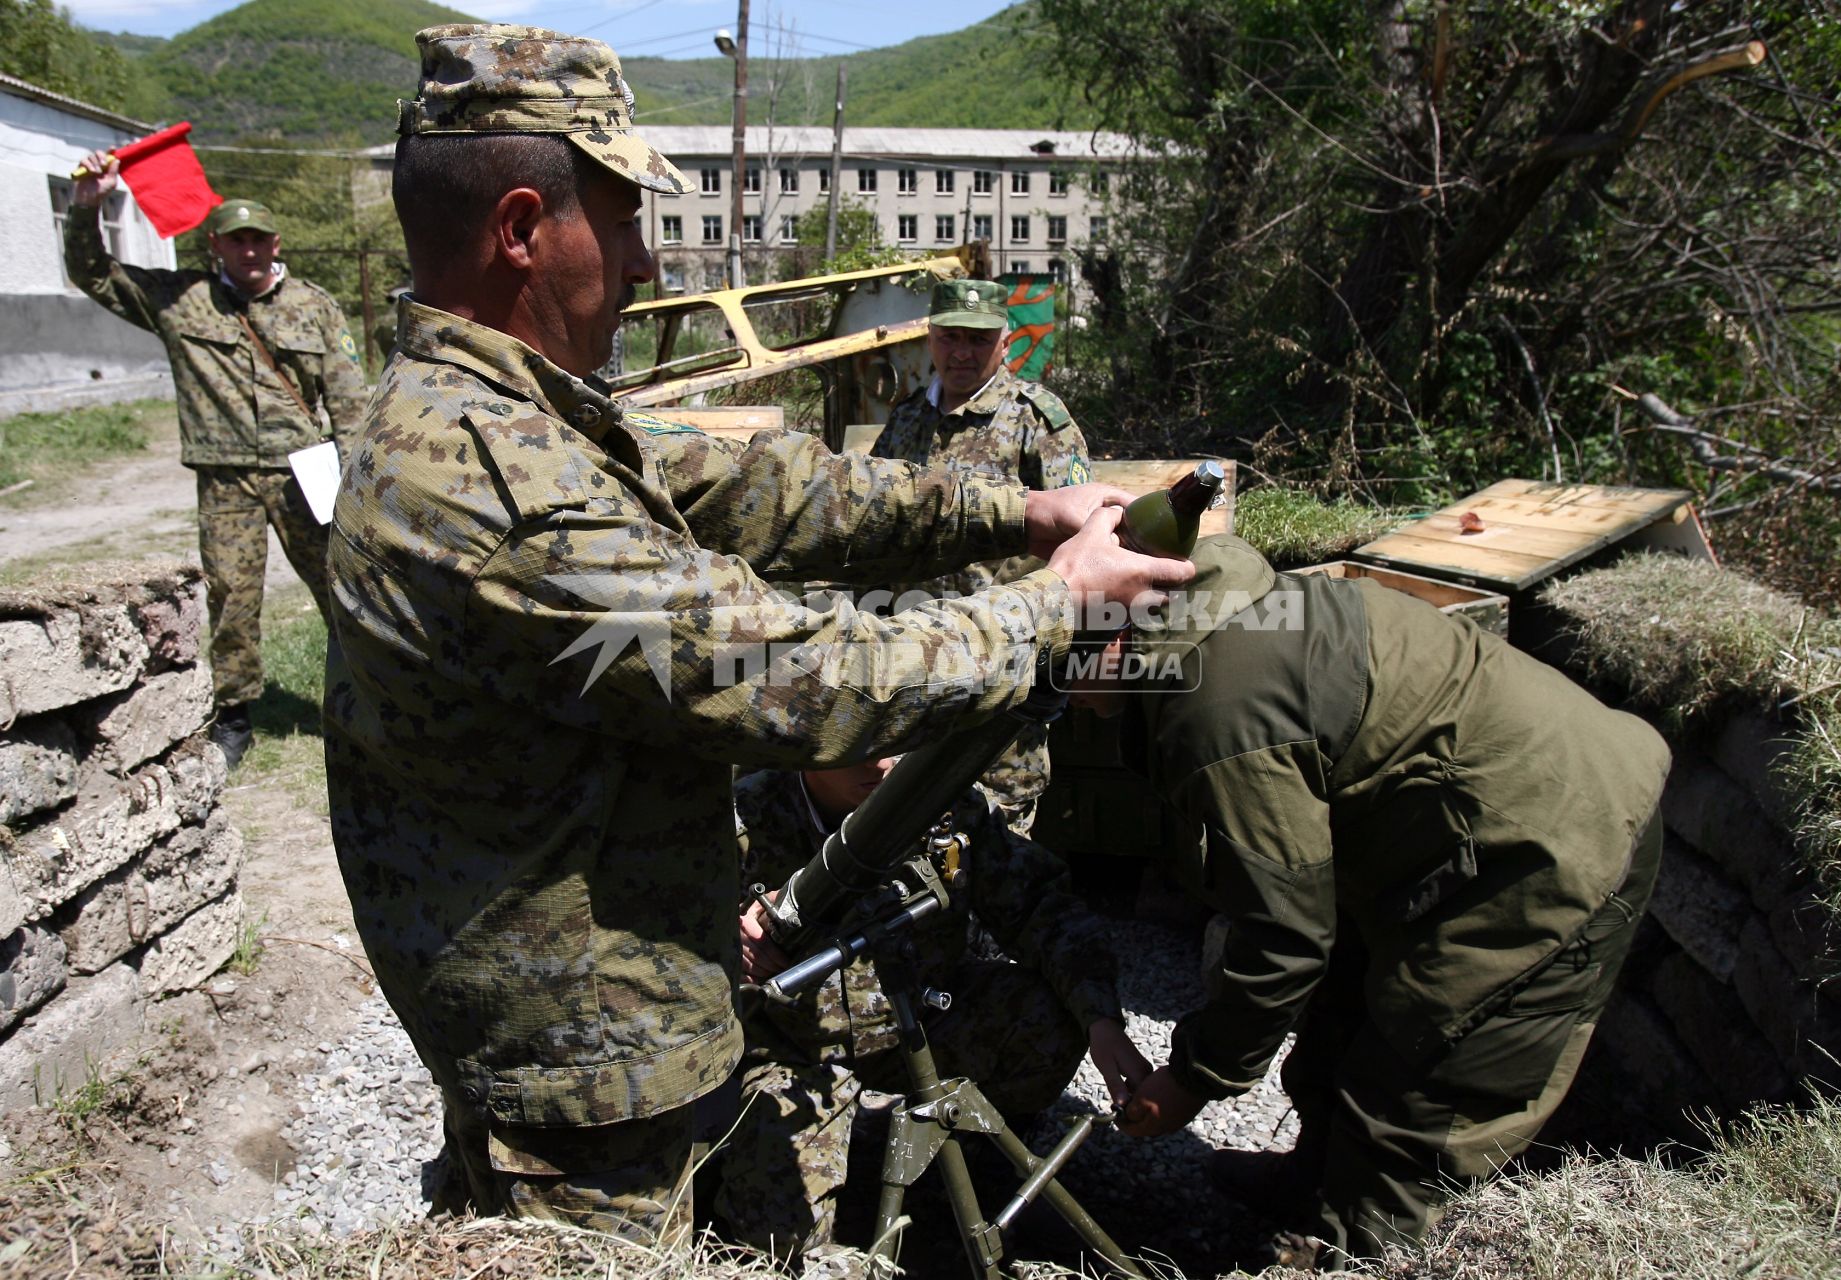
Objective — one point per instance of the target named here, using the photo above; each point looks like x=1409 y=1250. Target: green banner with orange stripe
x=1031 y=303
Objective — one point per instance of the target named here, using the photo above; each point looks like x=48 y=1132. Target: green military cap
x=968 y=304
x=235 y=215
x=494 y=78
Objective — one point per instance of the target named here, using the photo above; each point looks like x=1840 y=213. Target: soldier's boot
x=232 y=732
x=1278 y=1184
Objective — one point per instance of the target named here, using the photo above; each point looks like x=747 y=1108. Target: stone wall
x=1726 y=1000
x=118 y=869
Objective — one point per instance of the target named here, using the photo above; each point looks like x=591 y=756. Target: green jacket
x=1345 y=749
x=553 y=632
x=1020 y=892
x=233 y=410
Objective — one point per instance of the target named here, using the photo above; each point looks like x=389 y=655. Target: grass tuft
x=288 y=745
x=1292 y=528
x=249 y=950
x=40 y=446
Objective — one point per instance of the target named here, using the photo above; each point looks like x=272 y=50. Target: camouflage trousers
x=630 y=1179
x=783 y=1165
x=1386 y=1140
x=236 y=507
x=1019 y=777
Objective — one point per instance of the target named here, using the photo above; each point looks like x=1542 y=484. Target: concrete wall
x=60 y=346
x=118 y=870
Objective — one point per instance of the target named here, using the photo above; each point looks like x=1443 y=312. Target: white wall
x=36 y=141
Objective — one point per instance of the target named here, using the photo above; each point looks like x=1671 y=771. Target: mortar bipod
x=927 y=1125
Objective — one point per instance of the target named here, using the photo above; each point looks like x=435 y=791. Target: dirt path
x=121 y=508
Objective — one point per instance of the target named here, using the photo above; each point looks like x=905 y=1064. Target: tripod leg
x=1063 y=1203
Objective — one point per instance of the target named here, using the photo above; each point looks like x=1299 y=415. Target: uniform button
x=586 y=416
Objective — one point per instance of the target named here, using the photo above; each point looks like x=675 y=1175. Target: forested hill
x=329 y=70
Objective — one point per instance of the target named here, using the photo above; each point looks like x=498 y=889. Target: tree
x=40 y=42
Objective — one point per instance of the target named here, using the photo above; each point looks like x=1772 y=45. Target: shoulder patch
x=653 y=426
x=1079 y=472
x=346 y=345
x=1048 y=404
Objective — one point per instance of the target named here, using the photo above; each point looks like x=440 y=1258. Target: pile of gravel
x=369 y=1119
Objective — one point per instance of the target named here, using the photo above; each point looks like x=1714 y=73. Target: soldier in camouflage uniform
x=1017 y=1029
x=553 y=634
x=242 y=409
x=1438 y=843
x=975 y=415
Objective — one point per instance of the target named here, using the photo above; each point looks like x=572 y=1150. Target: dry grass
x=1764 y=1202
x=1291 y=527
x=1685 y=638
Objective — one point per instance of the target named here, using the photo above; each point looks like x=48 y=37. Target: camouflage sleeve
x=1060 y=454
x=599 y=618
x=796 y=511
x=344 y=392
x=1270 y=871
x=1025 y=896
x=771 y=827
x=136 y=294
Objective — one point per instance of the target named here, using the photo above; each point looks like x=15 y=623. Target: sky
x=660 y=28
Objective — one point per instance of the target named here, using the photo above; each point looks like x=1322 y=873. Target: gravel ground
x=369 y=1119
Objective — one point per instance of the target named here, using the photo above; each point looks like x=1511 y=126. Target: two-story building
x=56 y=344
x=1034 y=196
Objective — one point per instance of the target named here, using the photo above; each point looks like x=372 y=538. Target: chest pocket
x=213 y=332
x=303 y=342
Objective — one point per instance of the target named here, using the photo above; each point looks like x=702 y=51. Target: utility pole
x=741 y=145
x=837 y=169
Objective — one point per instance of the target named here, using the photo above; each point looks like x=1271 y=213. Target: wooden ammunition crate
x=1485 y=608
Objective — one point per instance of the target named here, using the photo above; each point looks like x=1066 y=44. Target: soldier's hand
x=761 y=958
x=1117 y=1059
x=1161 y=1105
x=101 y=175
x=1052 y=516
x=1098 y=570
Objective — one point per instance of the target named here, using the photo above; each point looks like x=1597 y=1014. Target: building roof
x=75 y=106
x=679 y=141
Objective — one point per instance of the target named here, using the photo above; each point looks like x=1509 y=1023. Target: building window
x=1100 y=183
x=1058 y=269
x=1057 y=183
x=789 y=229
x=942 y=181
x=110 y=220
x=751 y=228
x=1019 y=230
x=824 y=181
x=1019 y=183
x=751 y=179
x=671 y=229
x=907 y=181
x=712 y=182
x=907 y=228
x=981 y=226
x=866 y=179
x=789 y=181
x=672 y=277
x=1020 y=266
x=983 y=182
x=712 y=228
x=1096 y=228
x=943 y=228
x=1057 y=229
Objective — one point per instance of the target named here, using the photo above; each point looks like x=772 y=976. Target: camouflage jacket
x=233 y=410
x=1352 y=757
x=1020 y=892
x=1010 y=428
x=552 y=635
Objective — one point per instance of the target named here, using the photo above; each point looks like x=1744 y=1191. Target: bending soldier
x=1432 y=851
x=258 y=355
x=976 y=416
x=553 y=636
x=1018 y=1030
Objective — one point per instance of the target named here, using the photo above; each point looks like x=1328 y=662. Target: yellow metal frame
x=750 y=358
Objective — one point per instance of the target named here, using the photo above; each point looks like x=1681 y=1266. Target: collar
x=431 y=334
x=819 y=825
x=983 y=400
x=277 y=273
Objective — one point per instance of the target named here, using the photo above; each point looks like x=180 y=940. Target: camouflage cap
x=492 y=78
x=968 y=304
x=235 y=215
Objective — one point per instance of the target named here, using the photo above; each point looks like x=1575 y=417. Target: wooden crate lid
x=1523 y=531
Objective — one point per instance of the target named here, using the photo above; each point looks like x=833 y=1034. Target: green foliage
x=247 y=955
x=40 y=42
x=859 y=240
x=43 y=446
x=1291 y=527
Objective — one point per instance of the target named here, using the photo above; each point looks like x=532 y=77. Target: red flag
x=168 y=182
